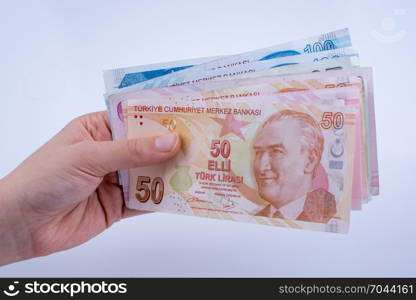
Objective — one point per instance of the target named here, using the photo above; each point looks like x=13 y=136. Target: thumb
x=104 y=157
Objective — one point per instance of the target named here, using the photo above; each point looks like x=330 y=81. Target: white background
x=52 y=54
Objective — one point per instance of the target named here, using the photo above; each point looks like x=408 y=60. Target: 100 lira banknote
x=313 y=45
x=195 y=75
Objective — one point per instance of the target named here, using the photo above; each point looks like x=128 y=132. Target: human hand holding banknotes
x=67 y=192
x=280 y=136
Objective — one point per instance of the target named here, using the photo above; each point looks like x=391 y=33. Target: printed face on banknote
x=287 y=152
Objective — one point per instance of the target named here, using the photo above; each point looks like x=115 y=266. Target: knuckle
x=88 y=119
x=79 y=120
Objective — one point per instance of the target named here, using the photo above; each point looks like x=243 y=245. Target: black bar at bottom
x=195 y=288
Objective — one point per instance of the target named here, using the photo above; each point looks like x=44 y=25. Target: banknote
x=261 y=91
x=269 y=85
x=195 y=75
x=123 y=77
x=278 y=159
x=329 y=41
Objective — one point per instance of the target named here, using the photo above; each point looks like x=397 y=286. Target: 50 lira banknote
x=223 y=90
x=272 y=159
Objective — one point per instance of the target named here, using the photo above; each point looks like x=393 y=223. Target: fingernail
x=165 y=143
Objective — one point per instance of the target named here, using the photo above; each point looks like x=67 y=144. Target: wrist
x=15 y=235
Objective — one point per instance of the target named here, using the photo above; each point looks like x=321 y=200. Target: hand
x=67 y=192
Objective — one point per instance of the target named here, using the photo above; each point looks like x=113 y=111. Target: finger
x=100 y=158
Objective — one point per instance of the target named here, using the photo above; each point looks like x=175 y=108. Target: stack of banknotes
x=282 y=136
